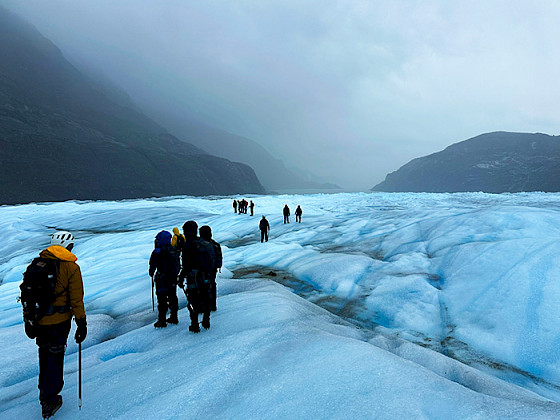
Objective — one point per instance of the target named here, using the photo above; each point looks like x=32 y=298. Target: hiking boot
x=173 y=320
x=194 y=328
x=160 y=324
x=50 y=408
x=206 y=323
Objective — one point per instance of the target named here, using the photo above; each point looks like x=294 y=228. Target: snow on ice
x=424 y=306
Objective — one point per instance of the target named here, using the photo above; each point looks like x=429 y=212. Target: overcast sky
x=350 y=90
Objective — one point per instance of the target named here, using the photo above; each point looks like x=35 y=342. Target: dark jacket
x=286 y=211
x=164 y=266
x=217 y=252
x=264 y=225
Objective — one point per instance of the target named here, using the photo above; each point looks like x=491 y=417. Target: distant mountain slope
x=64 y=137
x=493 y=162
x=271 y=171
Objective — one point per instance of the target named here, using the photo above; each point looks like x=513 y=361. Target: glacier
x=389 y=306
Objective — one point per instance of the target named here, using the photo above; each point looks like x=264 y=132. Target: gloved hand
x=81 y=330
x=30 y=331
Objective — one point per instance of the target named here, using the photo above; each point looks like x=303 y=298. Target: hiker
x=244 y=206
x=164 y=268
x=178 y=240
x=264 y=226
x=298 y=214
x=235 y=206
x=49 y=324
x=239 y=205
x=198 y=262
x=206 y=235
x=252 y=207
x=286 y=212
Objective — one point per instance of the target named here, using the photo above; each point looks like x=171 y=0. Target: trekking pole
x=153 y=304
x=79 y=376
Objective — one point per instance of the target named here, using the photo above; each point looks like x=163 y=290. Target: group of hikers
x=286 y=213
x=240 y=206
x=201 y=259
x=52 y=292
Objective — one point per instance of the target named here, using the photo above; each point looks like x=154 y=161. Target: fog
x=349 y=90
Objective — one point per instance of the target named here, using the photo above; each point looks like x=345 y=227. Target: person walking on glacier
x=264 y=227
x=199 y=262
x=164 y=269
x=298 y=214
x=286 y=213
x=206 y=235
x=52 y=292
x=235 y=206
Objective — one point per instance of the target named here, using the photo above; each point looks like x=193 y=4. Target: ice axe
x=79 y=376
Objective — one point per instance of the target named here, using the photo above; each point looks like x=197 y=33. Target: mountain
x=493 y=162
x=62 y=136
x=272 y=172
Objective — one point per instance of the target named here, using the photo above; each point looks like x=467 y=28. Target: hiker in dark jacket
x=286 y=212
x=252 y=207
x=298 y=214
x=164 y=268
x=264 y=226
x=206 y=234
x=198 y=265
x=235 y=206
x=53 y=327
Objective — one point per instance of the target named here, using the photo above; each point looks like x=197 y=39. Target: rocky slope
x=493 y=162
x=64 y=137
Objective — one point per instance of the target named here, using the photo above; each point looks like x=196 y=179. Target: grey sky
x=350 y=90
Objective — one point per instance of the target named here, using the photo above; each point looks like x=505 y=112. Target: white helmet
x=62 y=238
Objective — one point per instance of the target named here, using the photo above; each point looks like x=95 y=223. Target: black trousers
x=51 y=340
x=199 y=303
x=298 y=218
x=167 y=299
x=264 y=235
x=286 y=218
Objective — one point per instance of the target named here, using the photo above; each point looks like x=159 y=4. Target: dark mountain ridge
x=63 y=137
x=493 y=162
x=272 y=172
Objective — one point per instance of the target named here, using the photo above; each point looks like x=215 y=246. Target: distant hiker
x=198 y=262
x=244 y=205
x=178 y=240
x=298 y=214
x=235 y=206
x=206 y=235
x=52 y=292
x=286 y=212
x=164 y=268
x=264 y=226
x=252 y=207
x=239 y=205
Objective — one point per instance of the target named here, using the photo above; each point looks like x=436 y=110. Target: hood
x=57 y=252
x=162 y=239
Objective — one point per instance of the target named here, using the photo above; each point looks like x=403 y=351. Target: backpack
x=168 y=264
x=37 y=290
x=205 y=256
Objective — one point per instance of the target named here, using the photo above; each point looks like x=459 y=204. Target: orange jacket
x=69 y=287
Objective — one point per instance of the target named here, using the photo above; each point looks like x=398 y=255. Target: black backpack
x=168 y=266
x=206 y=256
x=37 y=290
